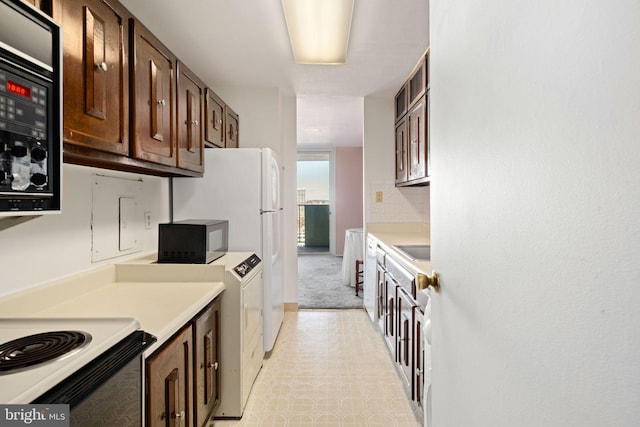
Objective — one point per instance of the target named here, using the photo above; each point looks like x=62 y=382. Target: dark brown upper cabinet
x=401 y=152
x=418 y=148
x=96 y=74
x=417 y=82
x=215 y=124
x=412 y=127
x=401 y=102
x=129 y=104
x=232 y=123
x=190 y=121
x=153 y=83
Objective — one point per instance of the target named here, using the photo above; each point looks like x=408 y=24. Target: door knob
x=424 y=281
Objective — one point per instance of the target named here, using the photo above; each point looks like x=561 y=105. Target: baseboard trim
x=290 y=306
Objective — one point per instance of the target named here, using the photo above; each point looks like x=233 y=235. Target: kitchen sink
x=415 y=252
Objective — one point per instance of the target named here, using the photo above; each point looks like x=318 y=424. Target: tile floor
x=329 y=368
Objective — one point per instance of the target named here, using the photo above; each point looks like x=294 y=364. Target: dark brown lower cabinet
x=182 y=377
x=391 y=293
x=206 y=363
x=381 y=297
x=169 y=374
x=401 y=321
x=418 y=357
x=405 y=342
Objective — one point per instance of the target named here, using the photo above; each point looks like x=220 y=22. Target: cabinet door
x=391 y=294
x=418 y=356
x=214 y=128
x=401 y=152
x=206 y=336
x=190 y=120
x=382 y=299
x=96 y=74
x=417 y=82
x=418 y=140
x=401 y=100
x=405 y=342
x=169 y=374
x=43 y=5
x=154 y=89
x=232 y=125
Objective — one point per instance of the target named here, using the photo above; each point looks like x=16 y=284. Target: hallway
x=327 y=369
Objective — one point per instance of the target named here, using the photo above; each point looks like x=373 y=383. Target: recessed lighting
x=319 y=30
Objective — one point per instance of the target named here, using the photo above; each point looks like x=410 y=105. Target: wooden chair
x=359 y=274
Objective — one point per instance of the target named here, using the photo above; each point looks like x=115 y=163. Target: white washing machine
x=241 y=333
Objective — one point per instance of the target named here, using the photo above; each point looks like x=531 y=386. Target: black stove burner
x=26 y=352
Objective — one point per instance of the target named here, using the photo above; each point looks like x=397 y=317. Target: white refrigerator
x=242 y=185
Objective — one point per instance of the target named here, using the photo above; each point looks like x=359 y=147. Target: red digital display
x=18 y=89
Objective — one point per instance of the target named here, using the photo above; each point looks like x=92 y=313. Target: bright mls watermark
x=34 y=415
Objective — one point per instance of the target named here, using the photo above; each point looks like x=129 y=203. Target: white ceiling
x=245 y=43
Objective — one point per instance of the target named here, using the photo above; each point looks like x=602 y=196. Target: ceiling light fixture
x=319 y=30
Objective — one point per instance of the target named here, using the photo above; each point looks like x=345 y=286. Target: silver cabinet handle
x=179 y=414
x=161 y=102
x=102 y=66
x=213 y=365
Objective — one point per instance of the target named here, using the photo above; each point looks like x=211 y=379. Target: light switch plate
x=147 y=220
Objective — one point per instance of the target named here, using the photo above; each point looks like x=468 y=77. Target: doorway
x=315 y=202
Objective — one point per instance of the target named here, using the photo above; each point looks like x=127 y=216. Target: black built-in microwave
x=30 y=111
x=192 y=241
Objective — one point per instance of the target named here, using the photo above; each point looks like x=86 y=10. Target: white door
x=535 y=213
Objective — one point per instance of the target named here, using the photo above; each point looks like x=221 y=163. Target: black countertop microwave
x=192 y=241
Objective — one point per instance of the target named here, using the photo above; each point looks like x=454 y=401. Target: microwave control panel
x=247 y=265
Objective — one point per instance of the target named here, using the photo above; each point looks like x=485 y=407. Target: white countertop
x=162 y=297
x=386 y=239
x=405 y=234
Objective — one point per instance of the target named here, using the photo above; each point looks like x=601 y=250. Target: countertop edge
x=387 y=239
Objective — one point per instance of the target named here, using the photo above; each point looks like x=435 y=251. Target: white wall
x=535 y=222
x=399 y=205
x=268 y=119
x=54 y=246
x=290 y=156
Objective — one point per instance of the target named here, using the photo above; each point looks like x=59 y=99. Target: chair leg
x=358 y=275
x=357 y=265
